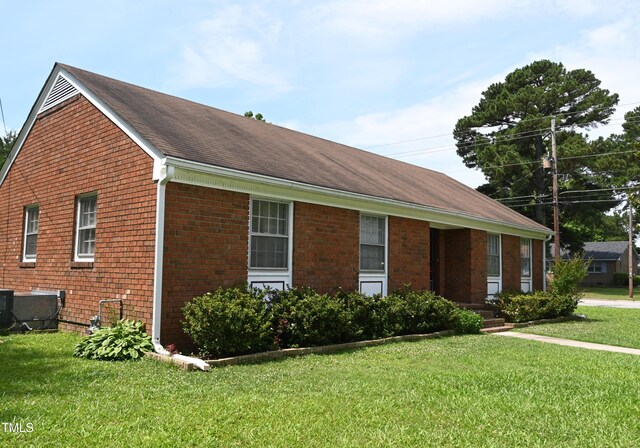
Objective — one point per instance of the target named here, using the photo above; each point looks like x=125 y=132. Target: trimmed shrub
x=621 y=279
x=302 y=317
x=229 y=322
x=367 y=315
x=125 y=340
x=467 y=322
x=411 y=312
x=525 y=307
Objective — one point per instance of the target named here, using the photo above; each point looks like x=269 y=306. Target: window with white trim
x=31 y=217
x=372 y=243
x=86 y=227
x=525 y=257
x=493 y=255
x=597 y=267
x=269 y=241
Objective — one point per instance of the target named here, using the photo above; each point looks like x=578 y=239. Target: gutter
x=166 y=174
x=440 y=215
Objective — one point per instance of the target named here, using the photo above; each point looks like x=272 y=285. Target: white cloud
x=235 y=45
x=611 y=52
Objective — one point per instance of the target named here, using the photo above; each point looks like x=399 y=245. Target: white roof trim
x=202 y=174
x=42 y=104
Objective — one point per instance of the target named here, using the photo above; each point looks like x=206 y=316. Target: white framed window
x=31 y=218
x=269 y=235
x=86 y=227
x=493 y=255
x=525 y=257
x=597 y=267
x=372 y=243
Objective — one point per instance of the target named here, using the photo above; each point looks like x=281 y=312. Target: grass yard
x=613 y=326
x=610 y=293
x=470 y=391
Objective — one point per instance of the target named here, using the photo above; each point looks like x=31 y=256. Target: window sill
x=27 y=264
x=82 y=265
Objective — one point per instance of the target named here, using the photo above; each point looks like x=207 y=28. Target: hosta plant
x=125 y=340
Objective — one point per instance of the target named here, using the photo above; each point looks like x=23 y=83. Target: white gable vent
x=62 y=90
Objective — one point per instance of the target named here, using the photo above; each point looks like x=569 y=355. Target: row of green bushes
x=561 y=299
x=229 y=322
x=622 y=279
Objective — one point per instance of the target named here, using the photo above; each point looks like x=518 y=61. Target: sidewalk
x=570 y=343
x=610 y=303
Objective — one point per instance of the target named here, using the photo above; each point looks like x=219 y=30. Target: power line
x=2 y=113
x=519 y=122
x=493 y=140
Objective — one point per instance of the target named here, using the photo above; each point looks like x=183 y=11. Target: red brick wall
x=73 y=149
x=326 y=250
x=408 y=253
x=205 y=246
x=465 y=265
x=538 y=270
x=511 y=263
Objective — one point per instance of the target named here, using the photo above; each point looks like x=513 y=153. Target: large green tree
x=508 y=132
x=6 y=143
x=617 y=164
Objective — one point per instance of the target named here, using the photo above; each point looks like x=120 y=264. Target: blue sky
x=366 y=73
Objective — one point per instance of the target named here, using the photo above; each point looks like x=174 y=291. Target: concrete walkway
x=570 y=343
x=611 y=303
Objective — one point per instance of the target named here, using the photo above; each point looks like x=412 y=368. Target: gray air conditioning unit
x=6 y=307
x=37 y=310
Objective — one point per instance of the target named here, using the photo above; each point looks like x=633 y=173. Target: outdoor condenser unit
x=37 y=310
x=6 y=306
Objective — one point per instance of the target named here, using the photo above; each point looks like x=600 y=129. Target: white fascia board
x=201 y=174
x=35 y=110
x=119 y=122
x=28 y=124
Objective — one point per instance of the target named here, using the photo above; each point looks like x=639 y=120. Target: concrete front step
x=493 y=322
x=505 y=327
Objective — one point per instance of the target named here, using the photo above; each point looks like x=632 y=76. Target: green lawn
x=610 y=293
x=613 y=326
x=469 y=391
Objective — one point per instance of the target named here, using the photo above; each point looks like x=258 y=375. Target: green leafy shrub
x=568 y=275
x=367 y=314
x=467 y=322
x=412 y=312
x=302 y=317
x=229 y=322
x=125 y=340
x=622 y=279
x=525 y=307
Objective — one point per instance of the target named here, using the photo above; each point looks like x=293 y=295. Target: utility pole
x=631 y=264
x=556 y=216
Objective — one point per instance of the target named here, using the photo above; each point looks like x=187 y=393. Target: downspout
x=544 y=262
x=166 y=174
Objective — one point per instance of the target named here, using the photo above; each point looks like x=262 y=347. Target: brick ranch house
x=116 y=191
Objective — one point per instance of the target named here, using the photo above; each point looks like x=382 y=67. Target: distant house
x=607 y=258
x=114 y=191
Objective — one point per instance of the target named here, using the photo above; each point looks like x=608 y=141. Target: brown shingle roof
x=192 y=131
